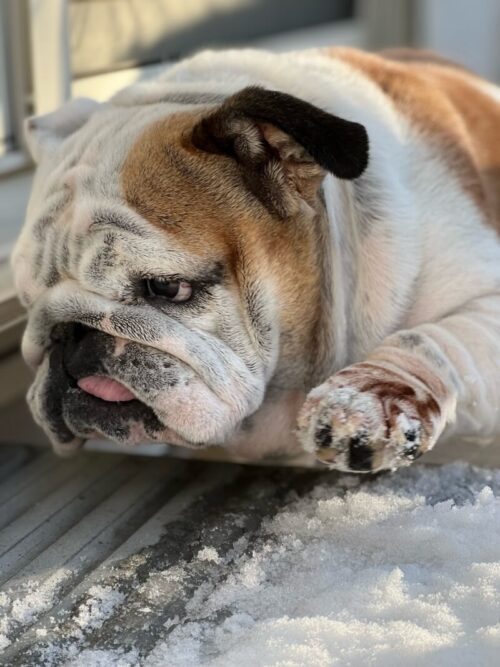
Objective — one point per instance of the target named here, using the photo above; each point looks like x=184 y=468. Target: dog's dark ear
x=279 y=141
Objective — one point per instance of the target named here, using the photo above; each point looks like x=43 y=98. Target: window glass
x=5 y=138
x=113 y=34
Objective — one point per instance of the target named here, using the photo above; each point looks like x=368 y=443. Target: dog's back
x=450 y=106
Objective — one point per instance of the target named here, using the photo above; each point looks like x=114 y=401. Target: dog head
x=169 y=262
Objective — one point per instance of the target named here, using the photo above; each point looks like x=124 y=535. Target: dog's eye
x=176 y=291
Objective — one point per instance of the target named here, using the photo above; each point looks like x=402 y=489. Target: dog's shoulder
x=449 y=106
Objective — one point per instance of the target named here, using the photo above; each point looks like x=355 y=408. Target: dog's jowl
x=275 y=253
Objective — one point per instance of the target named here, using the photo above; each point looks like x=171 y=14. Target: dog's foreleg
x=391 y=408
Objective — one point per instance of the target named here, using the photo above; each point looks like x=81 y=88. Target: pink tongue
x=105 y=388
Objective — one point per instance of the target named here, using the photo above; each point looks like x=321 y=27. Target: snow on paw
x=367 y=418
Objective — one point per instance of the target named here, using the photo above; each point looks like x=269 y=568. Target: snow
x=22 y=606
x=379 y=576
x=208 y=554
x=99 y=658
x=98 y=607
x=404 y=569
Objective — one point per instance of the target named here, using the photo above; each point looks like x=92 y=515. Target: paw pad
x=324 y=436
x=360 y=454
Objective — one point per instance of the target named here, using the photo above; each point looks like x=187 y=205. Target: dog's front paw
x=368 y=418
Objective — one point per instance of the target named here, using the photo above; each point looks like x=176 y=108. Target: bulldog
x=276 y=253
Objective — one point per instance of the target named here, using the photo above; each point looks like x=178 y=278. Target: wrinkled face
x=166 y=278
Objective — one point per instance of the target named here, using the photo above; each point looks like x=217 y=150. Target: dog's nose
x=70 y=331
x=79 y=331
x=84 y=348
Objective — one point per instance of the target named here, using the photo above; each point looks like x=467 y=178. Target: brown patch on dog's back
x=409 y=55
x=446 y=104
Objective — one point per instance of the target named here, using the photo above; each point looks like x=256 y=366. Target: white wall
x=467 y=31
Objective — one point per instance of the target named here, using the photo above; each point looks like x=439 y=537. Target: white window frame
x=14 y=84
x=5 y=129
x=50 y=57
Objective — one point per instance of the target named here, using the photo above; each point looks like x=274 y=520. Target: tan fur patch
x=200 y=199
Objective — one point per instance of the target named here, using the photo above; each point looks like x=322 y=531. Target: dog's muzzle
x=188 y=388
